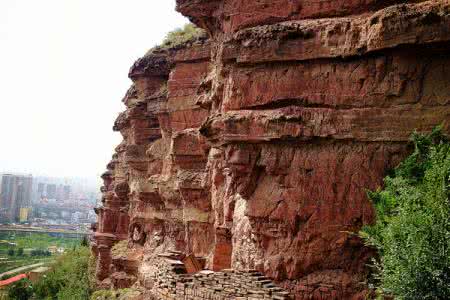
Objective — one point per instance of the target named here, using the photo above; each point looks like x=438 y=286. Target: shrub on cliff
x=120 y=249
x=180 y=37
x=69 y=278
x=412 y=231
x=121 y=294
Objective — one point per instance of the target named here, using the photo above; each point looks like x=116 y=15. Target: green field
x=34 y=248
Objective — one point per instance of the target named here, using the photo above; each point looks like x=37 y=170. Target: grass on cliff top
x=412 y=231
x=180 y=37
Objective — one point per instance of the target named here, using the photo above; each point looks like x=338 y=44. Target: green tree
x=412 y=231
x=69 y=278
x=11 y=252
x=21 y=290
x=20 y=252
x=84 y=242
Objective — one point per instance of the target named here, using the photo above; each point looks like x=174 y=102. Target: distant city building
x=15 y=197
x=59 y=192
x=41 y=189
x=76 y=216
x=24 y=214
x=51 y=191
x=62 y=200
x=67 y=192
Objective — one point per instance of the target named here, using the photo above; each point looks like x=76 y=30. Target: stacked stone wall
x=170 y=282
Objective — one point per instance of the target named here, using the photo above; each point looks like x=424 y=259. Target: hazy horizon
x=63 y=73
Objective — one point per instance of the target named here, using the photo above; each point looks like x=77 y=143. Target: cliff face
x=254 y=149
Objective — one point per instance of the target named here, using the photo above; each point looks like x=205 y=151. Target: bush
x=69 y=278
x=180 y=36
x=412 y=231
x=103 y=295
x=84 y=242
x=20 y=290
x=120 y=249
x=121 y=294
x=40 y=252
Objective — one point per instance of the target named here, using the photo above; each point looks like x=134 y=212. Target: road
x=24 y=268
x=30 y=259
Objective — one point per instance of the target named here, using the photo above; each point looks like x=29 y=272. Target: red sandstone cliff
x=253 y=149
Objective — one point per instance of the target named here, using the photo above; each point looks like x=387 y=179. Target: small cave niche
x=137 y=234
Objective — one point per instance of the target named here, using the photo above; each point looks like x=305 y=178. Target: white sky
x=63 y=73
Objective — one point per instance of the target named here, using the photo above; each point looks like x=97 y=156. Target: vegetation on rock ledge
x=412 y=231
x=180 y=36
x=120 y=249
x=120 y=294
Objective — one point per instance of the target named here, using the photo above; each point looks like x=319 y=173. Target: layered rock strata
x=153 y=195
x=254 y=149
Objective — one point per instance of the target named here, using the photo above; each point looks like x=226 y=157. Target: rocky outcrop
x=254 y=149
x=153 y=195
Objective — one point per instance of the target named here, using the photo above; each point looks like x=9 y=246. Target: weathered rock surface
x=254 y=149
